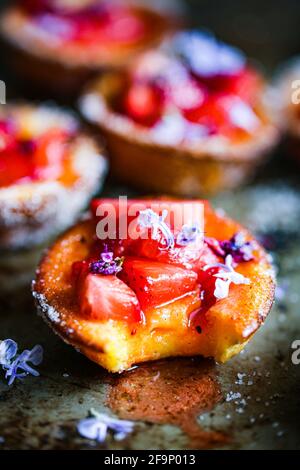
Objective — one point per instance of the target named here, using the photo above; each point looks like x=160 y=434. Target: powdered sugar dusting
x=45 y=309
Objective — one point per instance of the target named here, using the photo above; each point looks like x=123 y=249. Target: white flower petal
x=221 y=289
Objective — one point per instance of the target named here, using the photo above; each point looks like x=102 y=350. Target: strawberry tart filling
x=49 y=171
x=128 y=279
x=88 y=23
x=193 y=88
x=27 y=156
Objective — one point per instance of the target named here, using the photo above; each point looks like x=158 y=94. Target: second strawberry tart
x=189 y=118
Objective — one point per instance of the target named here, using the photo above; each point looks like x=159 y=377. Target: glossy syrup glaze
x=175 y=392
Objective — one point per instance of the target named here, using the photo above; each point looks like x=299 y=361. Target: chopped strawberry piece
x=184 y=256
x=143 y=202
x=7 y=135
x=108 y=24
x=156 y=283
x=143 y=103
x=207 y=258
x=14 y=168
x=80 y=270
x=103 y=298
x=131 y=207
x=211 y=114
x=22 y=160
x=207 y=287
x=246 y=85
x=95 y=22
x=109 y=212
x=224 y=113
x=126 y=210
x=49 y=154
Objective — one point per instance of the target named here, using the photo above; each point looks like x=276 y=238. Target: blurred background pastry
x=190 y=118
x=54 y=46
x=49 y=170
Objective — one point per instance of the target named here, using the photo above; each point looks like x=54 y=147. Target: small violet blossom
x=16 y=366
x=225 y=277
x=237 y=247
x=150 y=220
x=107 y=265
x=8 y=350
x=96 y=427
x=206 y=56
x=188 y=234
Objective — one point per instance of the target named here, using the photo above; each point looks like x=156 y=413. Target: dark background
x=267 y=30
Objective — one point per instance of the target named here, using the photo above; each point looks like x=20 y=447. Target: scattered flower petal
x=208 y=57
x=188 y=234
x=240 y=249
x=8 y=350
x=107 y=265
x=97 y=426
x=242 y=115
x=18 y=368
x=151 y=220
x=225 y=276
x=221 y=289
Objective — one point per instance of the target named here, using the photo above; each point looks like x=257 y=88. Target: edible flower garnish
x=206 y=56
x=107 y=265
x=8 y=350
x=237 y=247
x=17 y=367
x=150 y=220
x=97 y=426
x=188 y=234
x=225 y=277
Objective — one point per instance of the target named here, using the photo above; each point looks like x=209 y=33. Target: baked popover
x=129 y=285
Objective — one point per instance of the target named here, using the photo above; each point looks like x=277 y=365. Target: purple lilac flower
x=206 y=56
x=237 y=247
x=17 y=367
x=149 y=219
x=107 y=265
x=97 y=426
x=8 y=350
x=188 y=234
x=225 y=276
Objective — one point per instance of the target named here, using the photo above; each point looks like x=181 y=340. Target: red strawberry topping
x=156 y=283
x=143 y=102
